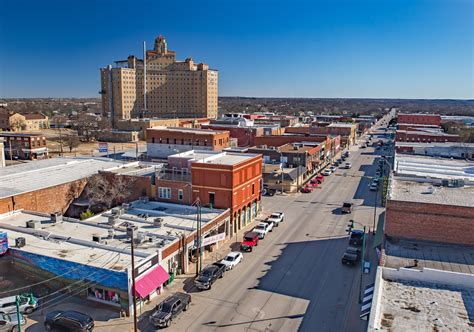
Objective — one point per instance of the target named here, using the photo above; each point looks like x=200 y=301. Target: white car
x=333 y=168
x=277 y=217
x=232 y=259
x=262 y=229
x=326 y=172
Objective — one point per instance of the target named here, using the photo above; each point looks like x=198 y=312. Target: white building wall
x=157 y=150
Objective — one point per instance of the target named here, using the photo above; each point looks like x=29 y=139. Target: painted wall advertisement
x=3 y=243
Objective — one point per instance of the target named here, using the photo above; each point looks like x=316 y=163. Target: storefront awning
x=151 y=281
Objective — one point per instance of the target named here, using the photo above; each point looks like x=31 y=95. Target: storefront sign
x=103 y=147
x=213 y=239
x=146 y=266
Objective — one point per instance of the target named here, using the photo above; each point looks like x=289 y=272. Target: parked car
x=351 y=256
x=348 y=165
x=326 y=172
x=262 y=229
x=357 y=237
x=319 y=178
x=337 y=163
x=269 y=222
x=169 y=309
x=277 y=217
x=209 y=275
x=232 y=259
x=343 y=158
x=269 y=192
x=307 y=189
x=28 y=303
x=69 y=320
x=346 y=154
x=250 y=240
x=9 y=322
x=333 y=169
x=346 y=207
x=363 y=146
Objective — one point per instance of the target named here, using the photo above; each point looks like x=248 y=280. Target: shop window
x=103 y=295
x=164 y=192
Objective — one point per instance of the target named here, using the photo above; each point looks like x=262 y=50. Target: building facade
x=419 y=118
x=24 y=146
x=11 y=121
x=163 y=142
x=178 y=89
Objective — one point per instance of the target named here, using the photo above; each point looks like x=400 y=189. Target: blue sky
x=332 y=48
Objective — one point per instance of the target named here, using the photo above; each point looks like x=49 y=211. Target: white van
x=27 y=304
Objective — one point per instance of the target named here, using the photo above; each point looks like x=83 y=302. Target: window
x=164 y=192
x=253 y=188
x=180 y=194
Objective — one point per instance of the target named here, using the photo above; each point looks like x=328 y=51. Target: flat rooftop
x=436 y=144
x=73 y=239
x=426 y=132
x=197 y=131
x=342 y=124
x=433 y=167
x=210 y=157
x=433 y=255
x=40 y=174
x=426 y=192
x=422 y=306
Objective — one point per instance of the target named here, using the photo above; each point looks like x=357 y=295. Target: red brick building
x=419 y=118
x=24 y=146
x=220 y=180
x=347 y=131
x=162 y=142
x=424 y=136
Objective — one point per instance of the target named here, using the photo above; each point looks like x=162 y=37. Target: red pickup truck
x=250 y=240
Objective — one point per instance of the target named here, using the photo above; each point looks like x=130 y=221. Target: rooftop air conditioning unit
x=56 y=217
x=117 y=211
x=125 y=206
x=20 y=242
x=97 y=238
x=139 y=238
x=158 y=222
x=111 y=233
x=35 y=224
x=113 y=219
x=131 y=229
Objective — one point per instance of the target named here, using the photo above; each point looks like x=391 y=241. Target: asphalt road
x=294 y=279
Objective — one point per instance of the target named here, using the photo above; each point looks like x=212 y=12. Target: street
x=294 y=279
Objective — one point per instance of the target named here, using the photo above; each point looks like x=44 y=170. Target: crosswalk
x=367 y=301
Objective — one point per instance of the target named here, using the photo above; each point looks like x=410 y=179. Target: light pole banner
x=213 y=239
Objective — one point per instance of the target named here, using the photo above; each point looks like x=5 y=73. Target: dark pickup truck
x=208 y=275
x=169 y=309
x=351 y=256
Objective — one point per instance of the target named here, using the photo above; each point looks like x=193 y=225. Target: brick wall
x=413 y=136
x=428 y=119
x=281 y=140
x=48 y=200
x=430 y=222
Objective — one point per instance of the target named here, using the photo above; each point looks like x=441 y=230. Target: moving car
x=232 y=259
x=28 y=303
x=250 y=240
x=69 y=320
x=326 y=172
x=209 y=275
x=169 y=309
x=346 y=207
x=348 y=166
x=373 y=186
x=357 y=237
x=262 y=229
x=9 y=322
x=351 y=256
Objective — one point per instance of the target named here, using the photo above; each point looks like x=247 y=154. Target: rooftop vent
x=113 y=219
x=35 y=224
x=56 y=217
x=158 y=222
x=98 y=238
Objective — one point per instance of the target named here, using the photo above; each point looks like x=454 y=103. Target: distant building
x=438 y=149
x=174 y=89
x=163 y=142
x=347 y=131
x=425 y=136
x=24 y=146
x=11 y=121
x=419 y=118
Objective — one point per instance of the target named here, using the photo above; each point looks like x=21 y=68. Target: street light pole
x=362 y=267
x=135 y=320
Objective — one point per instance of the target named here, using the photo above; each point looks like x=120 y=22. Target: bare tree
x=107 y=190
x=17 y=124
x=72 y=142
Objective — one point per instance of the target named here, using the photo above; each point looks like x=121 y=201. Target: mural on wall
x=3 y=243
x=74 y=271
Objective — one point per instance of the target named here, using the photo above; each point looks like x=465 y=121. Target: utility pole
x=135 y=320
x=362 y=267
x=17 y=302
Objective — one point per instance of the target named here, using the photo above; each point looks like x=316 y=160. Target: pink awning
x=151 y=281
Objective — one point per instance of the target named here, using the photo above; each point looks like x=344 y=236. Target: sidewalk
x=183 y=282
